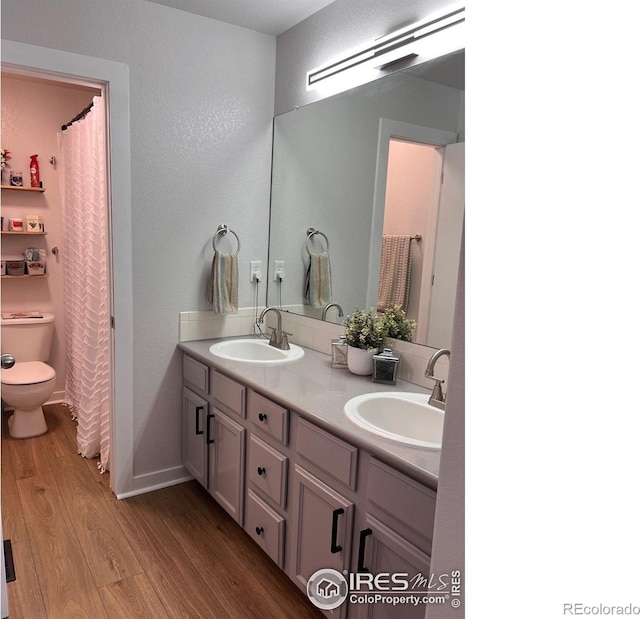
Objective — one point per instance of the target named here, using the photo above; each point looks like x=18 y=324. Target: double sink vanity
x=321 y=468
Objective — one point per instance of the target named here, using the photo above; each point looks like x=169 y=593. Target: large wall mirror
x=373 y=179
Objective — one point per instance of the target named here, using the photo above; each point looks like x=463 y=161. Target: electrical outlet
x=256 y=271
x=278 y=270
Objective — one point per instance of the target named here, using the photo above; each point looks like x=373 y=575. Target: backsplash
x=307 y=332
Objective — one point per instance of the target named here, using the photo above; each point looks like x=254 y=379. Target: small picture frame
x=34 y=223
x=15 y=179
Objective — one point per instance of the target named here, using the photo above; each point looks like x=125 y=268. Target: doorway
x=412 y=194
x=427 y=146
x=113 y=80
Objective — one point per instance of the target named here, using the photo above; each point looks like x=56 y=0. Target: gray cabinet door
x=226 y=441
x=194 y=419
x=382 y=550
x=323 y=522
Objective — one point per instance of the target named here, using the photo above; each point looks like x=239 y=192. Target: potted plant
x=396 y=324
x=365 y=334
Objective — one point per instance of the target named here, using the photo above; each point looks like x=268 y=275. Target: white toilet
x=30 y=382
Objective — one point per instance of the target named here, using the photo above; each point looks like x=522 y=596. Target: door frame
x=113 y=79
x=403 y=131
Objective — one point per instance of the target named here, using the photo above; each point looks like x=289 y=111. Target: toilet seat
x=28 y=373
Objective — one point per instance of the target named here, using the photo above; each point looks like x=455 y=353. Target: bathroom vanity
x=272 y=445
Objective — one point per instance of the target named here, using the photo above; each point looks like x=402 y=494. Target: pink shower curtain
x=86 y=281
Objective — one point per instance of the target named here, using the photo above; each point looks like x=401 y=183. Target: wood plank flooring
x=81 y=553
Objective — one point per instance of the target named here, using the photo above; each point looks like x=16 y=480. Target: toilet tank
x=28 y=339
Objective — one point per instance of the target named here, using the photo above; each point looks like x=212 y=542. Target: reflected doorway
x=414 y=172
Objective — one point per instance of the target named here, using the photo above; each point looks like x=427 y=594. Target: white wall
x=201 y=104
x=339 y=27
x=32 y=114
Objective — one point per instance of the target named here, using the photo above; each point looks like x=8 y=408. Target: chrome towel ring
x=222 y=231
x=311 y=232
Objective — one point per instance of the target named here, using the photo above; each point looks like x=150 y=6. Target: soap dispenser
x=339 y=352
x=385 y=367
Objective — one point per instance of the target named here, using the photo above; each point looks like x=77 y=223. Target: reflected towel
x=395 y=272
x=317 y=284
x=222 y=288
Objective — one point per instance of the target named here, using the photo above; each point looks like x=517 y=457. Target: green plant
x=364 y=329
x=396 y=324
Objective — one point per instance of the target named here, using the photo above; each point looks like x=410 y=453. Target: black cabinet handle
x=199 y=409
x=261 y=470
x=363 y=540
x=259 y=530
x=210 y=416
x=334 y=530
x=262 y=416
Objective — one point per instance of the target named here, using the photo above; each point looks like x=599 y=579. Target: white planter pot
x=360 y=361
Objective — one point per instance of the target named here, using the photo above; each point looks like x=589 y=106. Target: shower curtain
x=86 y=280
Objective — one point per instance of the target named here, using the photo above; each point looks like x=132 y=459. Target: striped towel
x=222 y=287
x=395 y=272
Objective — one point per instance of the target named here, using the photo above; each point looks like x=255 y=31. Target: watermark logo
x=327 y=589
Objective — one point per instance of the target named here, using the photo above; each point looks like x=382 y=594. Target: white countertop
x=318 y=392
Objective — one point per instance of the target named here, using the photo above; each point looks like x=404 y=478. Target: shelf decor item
x=4 y=157
x=34 y=171
x=15 y=179
x=16 y=224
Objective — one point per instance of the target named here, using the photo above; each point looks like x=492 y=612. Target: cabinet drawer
x=403 y=498
x=268 y=470
x=195 y=374
x=269 y=417
x=229 y=394
x=329 y=453
x=265 y=527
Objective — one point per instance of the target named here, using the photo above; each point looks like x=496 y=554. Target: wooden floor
x=79 y=552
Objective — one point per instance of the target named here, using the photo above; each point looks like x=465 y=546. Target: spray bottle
x=34 y=168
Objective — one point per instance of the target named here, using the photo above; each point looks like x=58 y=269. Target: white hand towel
x=222 y=288
x=318 y=290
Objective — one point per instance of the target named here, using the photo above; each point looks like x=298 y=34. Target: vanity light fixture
x=426 y=39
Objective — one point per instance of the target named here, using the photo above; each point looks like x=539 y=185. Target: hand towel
x=222 y=288
x=395 y=272
x=318 y=280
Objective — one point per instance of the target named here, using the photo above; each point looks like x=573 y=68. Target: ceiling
x=268 y=16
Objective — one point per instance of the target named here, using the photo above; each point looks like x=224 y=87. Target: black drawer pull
x=363 y=539
x=262 y=416
x=210 y=416
x=259 y=530
x=334 y=530
x=199 y=409
x=261 y=470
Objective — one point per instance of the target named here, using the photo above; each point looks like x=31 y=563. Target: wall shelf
x=7 y=233
x=22 y=276
x=38 y=189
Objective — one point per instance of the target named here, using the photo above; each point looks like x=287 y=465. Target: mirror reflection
x=368 y=200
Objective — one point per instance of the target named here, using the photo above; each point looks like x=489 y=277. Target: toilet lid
x=28 y=373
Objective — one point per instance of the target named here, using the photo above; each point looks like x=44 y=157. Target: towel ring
x=221 y=231
x=312 y=232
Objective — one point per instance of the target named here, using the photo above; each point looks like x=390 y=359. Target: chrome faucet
x=326 y=308
x=437 y=398
x=278 y=338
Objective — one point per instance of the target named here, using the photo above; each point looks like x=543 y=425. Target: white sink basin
x=255 y=351
x=398 y=415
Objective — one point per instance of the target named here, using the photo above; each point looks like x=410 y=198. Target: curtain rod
x=78 y=117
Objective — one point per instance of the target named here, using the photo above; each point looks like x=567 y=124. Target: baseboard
x=156 y=481
x=56 y=398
